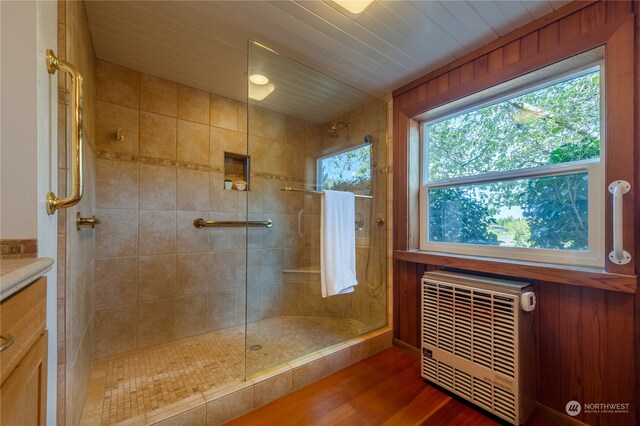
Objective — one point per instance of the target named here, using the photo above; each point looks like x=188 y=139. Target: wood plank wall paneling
x=637 y=207
x=619 y=66
x=515 y=35
x=587 y=339
x=407 y=275
x=400 y=194
x=584 y=345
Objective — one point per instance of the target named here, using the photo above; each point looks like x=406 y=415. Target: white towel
x=337 y=243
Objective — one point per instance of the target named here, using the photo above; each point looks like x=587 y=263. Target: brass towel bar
x=202 y=223
x=54 y=203
x=306 y=191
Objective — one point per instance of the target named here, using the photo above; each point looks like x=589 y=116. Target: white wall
x=18 y=174
x=28 y=146
x=47 y=180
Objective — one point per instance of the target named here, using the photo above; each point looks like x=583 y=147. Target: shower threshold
x=128 y=385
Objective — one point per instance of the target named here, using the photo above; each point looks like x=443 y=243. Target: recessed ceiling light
x=354 y=6
x=258 y=79
x=258 y=92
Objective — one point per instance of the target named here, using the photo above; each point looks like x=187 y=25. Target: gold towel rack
x=307 y=191
x=54 y=203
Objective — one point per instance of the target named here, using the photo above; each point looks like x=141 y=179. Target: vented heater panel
x=472 y=341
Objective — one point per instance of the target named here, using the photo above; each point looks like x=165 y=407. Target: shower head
x=332 y=131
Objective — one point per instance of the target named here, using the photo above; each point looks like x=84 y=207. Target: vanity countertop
x=15 y=274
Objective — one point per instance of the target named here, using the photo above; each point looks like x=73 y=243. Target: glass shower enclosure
x=208 y=267
x=306 y=132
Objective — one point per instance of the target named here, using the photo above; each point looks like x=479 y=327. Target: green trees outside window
x=557 y=124
x=348 y=171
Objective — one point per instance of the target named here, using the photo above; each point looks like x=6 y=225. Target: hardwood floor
x=385 y=389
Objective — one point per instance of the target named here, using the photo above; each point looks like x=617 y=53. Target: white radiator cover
x=478 y=343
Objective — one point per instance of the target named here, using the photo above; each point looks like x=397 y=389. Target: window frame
x=595 y=168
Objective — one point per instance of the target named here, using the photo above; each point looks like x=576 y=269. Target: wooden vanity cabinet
x=23 y=364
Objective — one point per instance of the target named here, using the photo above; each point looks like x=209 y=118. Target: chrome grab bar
x=618 y=255
x=54 y=203
x=202 y=223
x=307 y=191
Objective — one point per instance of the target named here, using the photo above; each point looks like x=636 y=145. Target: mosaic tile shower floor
x=127 y=385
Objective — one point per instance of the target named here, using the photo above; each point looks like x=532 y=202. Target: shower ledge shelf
x=304 y=270
x=305 y=274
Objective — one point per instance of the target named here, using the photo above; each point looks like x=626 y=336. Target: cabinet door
x=23 y=396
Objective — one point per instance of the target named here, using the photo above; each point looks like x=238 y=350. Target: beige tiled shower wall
x=281 y=148
x=302 y=290
x=158 y=278
x=76 y=249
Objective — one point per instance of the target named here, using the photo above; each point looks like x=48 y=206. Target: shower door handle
x=300 y=233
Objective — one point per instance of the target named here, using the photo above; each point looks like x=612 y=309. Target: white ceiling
x=301 y=91
x=204 y=43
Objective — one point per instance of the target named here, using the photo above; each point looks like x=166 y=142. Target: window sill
x=572 y=275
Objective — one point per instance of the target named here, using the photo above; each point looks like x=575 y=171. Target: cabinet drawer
x=22 y=317
x=24 y=393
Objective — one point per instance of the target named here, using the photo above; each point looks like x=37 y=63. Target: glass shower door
x=303 y=131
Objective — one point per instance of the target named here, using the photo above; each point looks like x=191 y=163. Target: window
x=346 y=171
x=519 y=176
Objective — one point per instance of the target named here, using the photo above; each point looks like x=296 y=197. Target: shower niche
x=236 y=170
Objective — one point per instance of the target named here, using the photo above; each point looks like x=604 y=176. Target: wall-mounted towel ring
x=54 y=203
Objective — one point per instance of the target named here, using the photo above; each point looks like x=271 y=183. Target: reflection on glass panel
x=556 y=124
x=546 y=213
x=348 y=171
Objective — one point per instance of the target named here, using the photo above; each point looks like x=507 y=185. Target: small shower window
x=346 y=171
